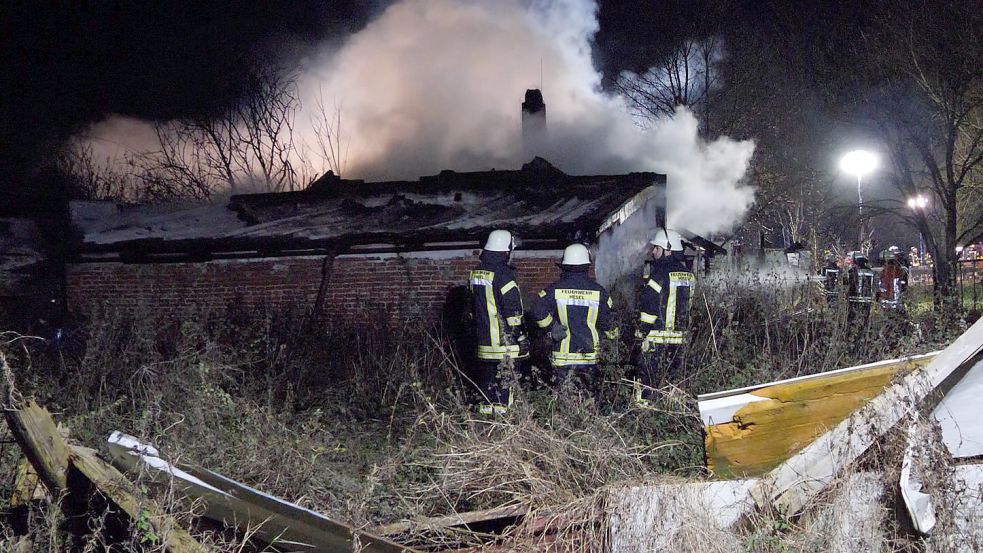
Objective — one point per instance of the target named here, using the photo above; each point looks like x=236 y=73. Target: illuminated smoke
x=437 y=84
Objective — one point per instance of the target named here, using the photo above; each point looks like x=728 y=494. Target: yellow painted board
x=763 y=434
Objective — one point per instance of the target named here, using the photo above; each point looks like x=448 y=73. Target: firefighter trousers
x=575 y=379
x=494 y=379
x=661 y=364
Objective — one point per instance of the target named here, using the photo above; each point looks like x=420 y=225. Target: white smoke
x=437 y=84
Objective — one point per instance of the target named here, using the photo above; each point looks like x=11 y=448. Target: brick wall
x=406 y=287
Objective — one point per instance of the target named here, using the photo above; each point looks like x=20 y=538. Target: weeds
x=373 y=425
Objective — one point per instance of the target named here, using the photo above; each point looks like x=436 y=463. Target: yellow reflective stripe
x=561 y=310
x=671 y=309
x=542 y=293
x=508 y=286
x=679 y=340
x=612 y=334
x=592 y=324
x=493 y=409
x=545 y=321
x=677 y=279
x=497 y=353
x=492 y=308
x=648 y=318
x=610 y=303
x=666 y=337
x=514 y=320
x=560 y=359
x=655 y=286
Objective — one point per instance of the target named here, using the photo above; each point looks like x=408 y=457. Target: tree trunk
x=944 y=271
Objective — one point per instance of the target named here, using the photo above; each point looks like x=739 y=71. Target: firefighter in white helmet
x=664 y=320
x=496 y=304
x=576 y=311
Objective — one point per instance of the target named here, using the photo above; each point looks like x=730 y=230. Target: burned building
x=354 y=250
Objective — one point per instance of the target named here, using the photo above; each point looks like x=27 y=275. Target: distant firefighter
x=576 y=311
x=892 y=282
x=496 y=303
x=663 y=327
x=831 y=279
x=860 y=290
x=905 y=263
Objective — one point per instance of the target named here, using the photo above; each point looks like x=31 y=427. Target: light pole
x=859 y=163
x=919 y=203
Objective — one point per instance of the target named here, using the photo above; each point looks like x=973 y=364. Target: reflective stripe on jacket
x=831 y=280
x=860 y=285
x=584 y=307
x=665 y=304
x=496 y=302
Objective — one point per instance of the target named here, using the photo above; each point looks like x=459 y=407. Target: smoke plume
x=437 y=84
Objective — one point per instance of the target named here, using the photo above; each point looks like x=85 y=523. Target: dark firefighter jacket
x=665 y=303
x=497 y=306
x=831 y=279
x=860 y=284
x=584 y=308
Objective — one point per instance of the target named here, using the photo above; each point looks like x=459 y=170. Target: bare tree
x=926 y=103
x=685 y=76
x=263 y=129
x=90 y=179
x=331 y=141
x=248 y=144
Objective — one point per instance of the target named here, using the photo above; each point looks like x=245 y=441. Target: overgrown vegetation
x=373 y=426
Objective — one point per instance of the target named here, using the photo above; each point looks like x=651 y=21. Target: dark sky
x=67 y=64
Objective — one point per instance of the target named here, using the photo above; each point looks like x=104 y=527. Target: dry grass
x=373 y=426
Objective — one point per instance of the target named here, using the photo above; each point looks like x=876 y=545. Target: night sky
x=68 y=64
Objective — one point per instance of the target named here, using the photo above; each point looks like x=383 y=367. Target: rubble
x=270 y=520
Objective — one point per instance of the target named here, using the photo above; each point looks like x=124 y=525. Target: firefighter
x=905 y=262
x=831 y=279
x=496 y=303
x=665 y=305
x=576 y=311
x=859 y=283
x=891 y=284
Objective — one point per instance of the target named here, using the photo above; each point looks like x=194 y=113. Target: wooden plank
x=27 y=485
x=787 y=416
x=272 y=520
x=793 y=484
x=38 y=437
x=751 y=389
x=309 y=526
x=504 y=515
x=112 y=484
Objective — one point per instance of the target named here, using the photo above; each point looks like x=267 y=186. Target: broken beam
x=112 y=484
x=37 y=435
x=793 y=484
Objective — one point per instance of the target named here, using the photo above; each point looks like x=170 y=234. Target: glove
x=523 y=342
x=558 y=332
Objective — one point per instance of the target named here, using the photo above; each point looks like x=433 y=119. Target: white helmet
x=499 y=241
x=576 y=254
x=667 y=239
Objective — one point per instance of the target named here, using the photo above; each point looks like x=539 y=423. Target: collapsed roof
x=539 y=202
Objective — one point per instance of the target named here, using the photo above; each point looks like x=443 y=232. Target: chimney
x=533 y=125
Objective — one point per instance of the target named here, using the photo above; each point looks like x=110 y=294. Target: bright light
x=918 y=202
x=858 y=163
